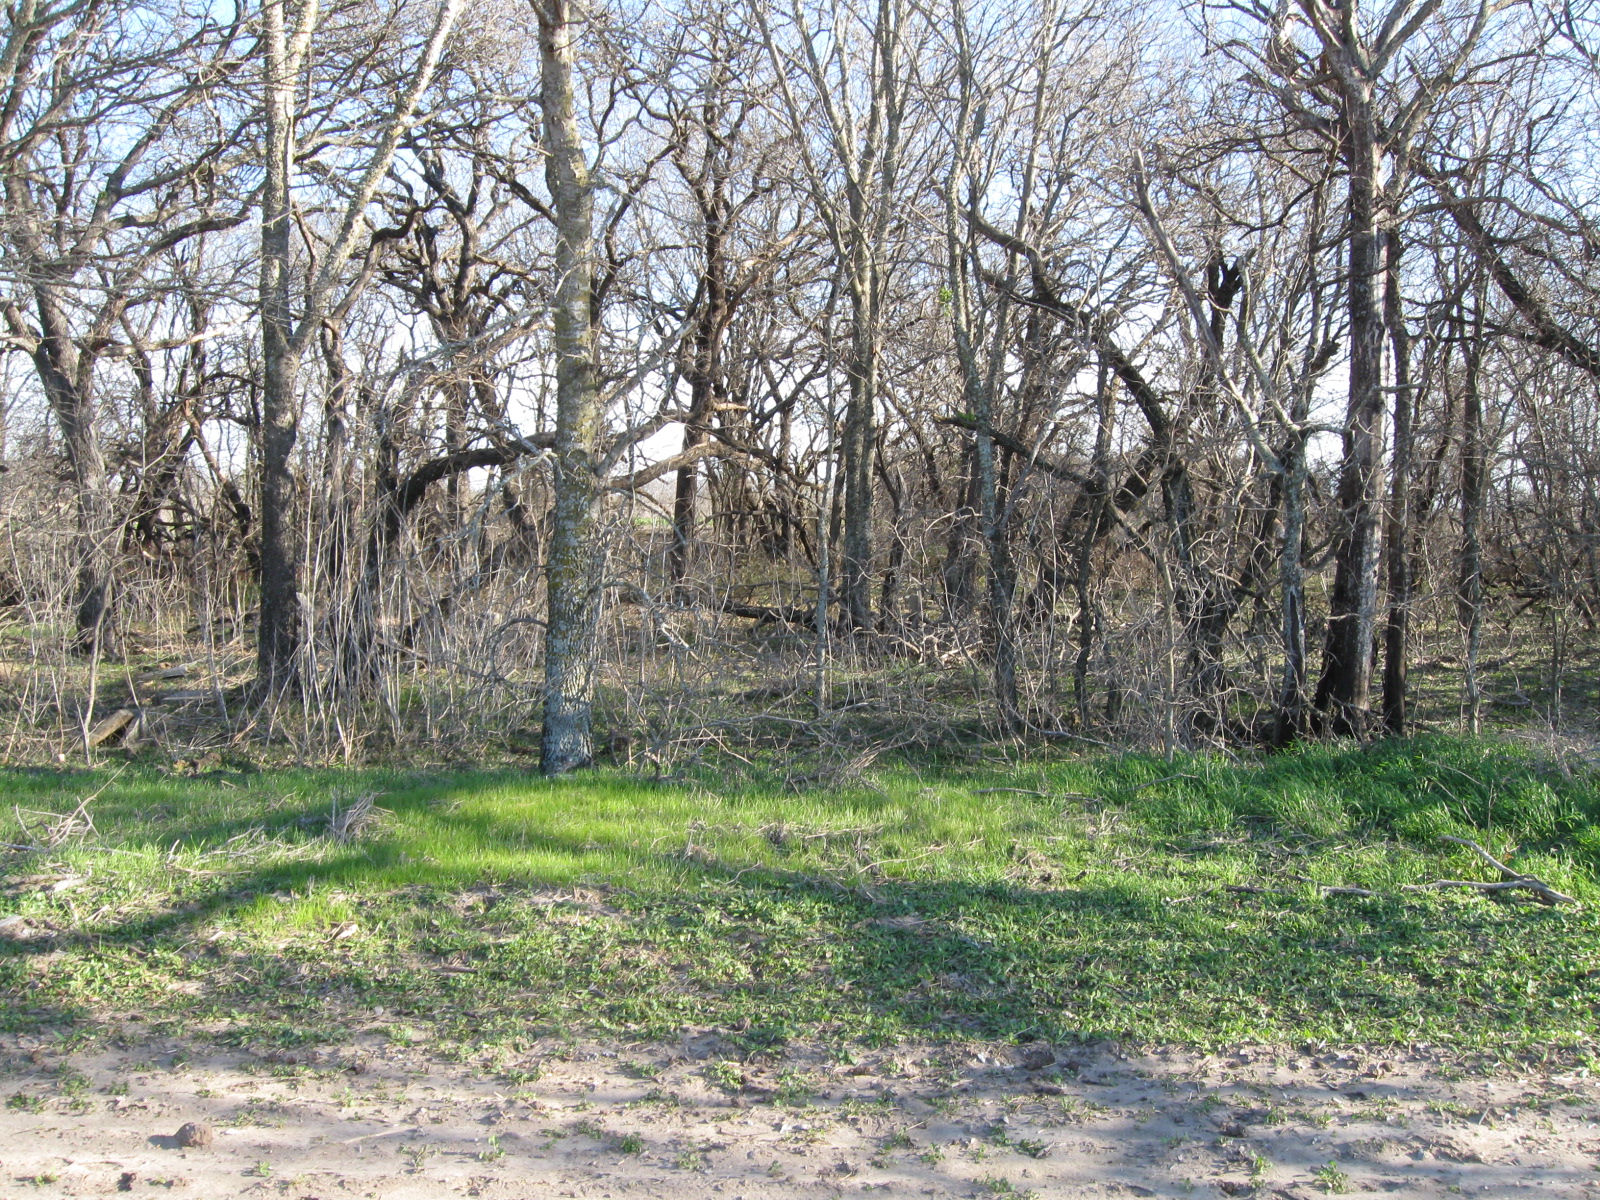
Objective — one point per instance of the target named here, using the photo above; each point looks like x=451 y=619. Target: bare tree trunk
x=703 y=374
x=855 y=573
x=1469 y=591
x=981 y=376
x=1097 y=511
x=280 y=417
x=69 y=390
x=283 y=338
x=572 y=571
x=1291 y=717
x=1345 y=688
x=1398 y=534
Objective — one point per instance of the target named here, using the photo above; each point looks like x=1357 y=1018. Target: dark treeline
x=1182 y=375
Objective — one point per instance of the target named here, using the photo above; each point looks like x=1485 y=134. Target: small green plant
x=725 y=1075
x=630 y=1143
x=261 y=1170
x=493 y=1152
x=998 y=1185
x=794 y=1090
x=23 y=1102
x=690 y=1160
x=898 y=1140
x=417 y=1155
x=932 y=1156
x=1260 y=1164
x=1032 y=1147
x=70 y=1082
x=43 y=1179
x=1331 y=1179
x=657 y=1096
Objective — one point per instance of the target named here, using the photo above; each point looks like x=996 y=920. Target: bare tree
x=287 y=36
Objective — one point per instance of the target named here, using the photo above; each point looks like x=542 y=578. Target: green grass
x=490 y=908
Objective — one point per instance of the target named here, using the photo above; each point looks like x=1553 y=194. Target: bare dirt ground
x=379 y=1119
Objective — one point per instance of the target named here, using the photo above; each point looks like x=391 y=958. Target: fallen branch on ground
x=1511 y=881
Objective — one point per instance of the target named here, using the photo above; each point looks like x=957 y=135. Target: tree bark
x=1469 y=589
x=1398 y=535
x=1344 y=691
x=855 y=567
x=283 y=338
x=69 y=390
x=279 y=629
x=572 y=571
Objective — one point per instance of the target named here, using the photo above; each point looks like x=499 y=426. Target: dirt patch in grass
x=376 y=1117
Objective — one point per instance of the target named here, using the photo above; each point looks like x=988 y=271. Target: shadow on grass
x=768 y=955
x=481 y=913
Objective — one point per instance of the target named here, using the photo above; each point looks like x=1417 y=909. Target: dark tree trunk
x=1398 y=535
x=69 y=391
x=1469 y=588
x=1345 y=689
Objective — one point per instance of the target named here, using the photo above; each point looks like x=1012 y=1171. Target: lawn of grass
x=1088 y=898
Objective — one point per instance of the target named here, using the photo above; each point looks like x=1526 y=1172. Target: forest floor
x=1113 y=975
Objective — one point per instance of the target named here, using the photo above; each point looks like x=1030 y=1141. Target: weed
x=70 y=1082
x=1029 y=1146
x=417 y=1155
x=794 y=1089
x=997 y=1185
x=1331 y=1179
x=728 y=1076
x=630 y=1143
x=23 y=1102
x=657 y=1096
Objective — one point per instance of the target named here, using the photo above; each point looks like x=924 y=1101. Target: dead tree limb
x=1510 y=881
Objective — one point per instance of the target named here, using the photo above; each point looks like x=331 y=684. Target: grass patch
x=1074 y=899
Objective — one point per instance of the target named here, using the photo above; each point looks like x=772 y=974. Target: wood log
x=107 y=728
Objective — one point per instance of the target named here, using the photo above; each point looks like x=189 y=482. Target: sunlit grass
x=1064 y=898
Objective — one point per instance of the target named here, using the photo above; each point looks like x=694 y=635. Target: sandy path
x=380 y=1120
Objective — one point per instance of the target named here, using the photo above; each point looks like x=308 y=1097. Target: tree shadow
x=761 y=950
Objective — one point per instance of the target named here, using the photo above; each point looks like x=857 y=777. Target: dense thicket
x=427 y=370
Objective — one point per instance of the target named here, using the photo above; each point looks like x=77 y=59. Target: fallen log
x=110 y=726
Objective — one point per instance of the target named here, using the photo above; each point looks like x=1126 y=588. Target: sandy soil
x=380 y=1119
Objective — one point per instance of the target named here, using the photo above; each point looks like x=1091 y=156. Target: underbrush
x=1066 y=898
